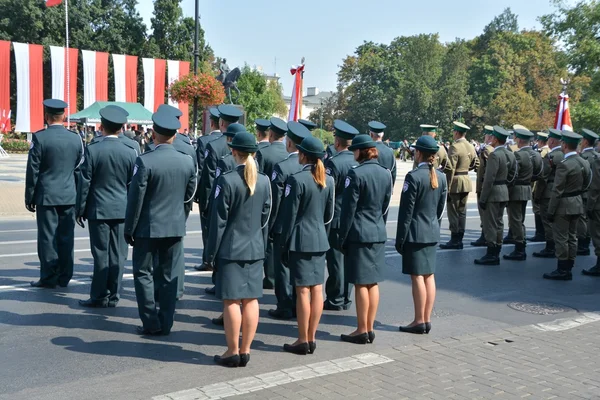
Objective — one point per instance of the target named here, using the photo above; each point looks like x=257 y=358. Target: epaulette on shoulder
x=227 y=172
x=147 y=152
x=225 y=156
x=41 y=130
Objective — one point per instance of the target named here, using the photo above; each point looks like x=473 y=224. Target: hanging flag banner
x=177 y=69
x=562 y=120
x=95 y=77
x=154 y=83
x=125 y=68
x=296 y=101
x=59 y=75
x=52 y=3
x=4 y=86
x=29 y=60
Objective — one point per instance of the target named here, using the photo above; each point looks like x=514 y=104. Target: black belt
x=460 y=173
x=522 y=183
x=571 y=194
x=499 y=183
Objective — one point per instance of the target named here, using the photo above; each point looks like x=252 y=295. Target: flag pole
x=68 y=65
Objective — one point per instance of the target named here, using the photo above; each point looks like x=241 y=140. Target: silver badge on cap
x=288 y=189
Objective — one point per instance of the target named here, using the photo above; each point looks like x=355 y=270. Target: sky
x=276 y=34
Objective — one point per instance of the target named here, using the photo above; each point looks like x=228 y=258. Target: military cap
x=542 y=136
x=460 y=127
x=344 y=129
x=376 y=127
x=214 y=114
x=589 y=135
x=297 y=132
x=165 y=123
x=168 y=108
x=120 y=109
x=361 y=142
x=113 y=117
x=308 y=124
x=55 y=106
x=517 y=126
x=523 y=133
x=428 y=128
x=312 y=146
x=262 y=124
x=555 y=133
x=234 y=129
x=427 y=144
x=244 y=141
x=500 y=132
x=278 y=126
x=229 y=113
x=571 y=137
x=488 y=129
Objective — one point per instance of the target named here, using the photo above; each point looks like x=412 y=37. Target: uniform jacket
x=539 y=186
x=552 y=159
x=225 y=164
x=421 y=208
x=262 y=145
x=588 y=155
x=182 y=144
x=330 y=151
x=483 y=157
x=269 y=156
x=463 y=157
x=307 y=209
x=238 y=222
x=338 y=167
x=593 y=203
x=387 y=159
x=281 y=172
x=184 y=138
x=366 y=199
x=520 y=188
x=201 y=154
x=573 y=175
x=501 y=163
x=105 y=176
x=215 y=149
x=440 y=162
x=164 y=180
x=52 y=167
x=129 y=142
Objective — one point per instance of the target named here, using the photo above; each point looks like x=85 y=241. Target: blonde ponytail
x=432 y=173
x=250 y=173
x=318 y=173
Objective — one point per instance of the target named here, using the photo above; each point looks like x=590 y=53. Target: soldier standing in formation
x=441 y=159
x=51 y=192
x=537 y=190
x=262 y=132
x=462 y=158
x=583 y=229
x=593 y=214
x=386 y=156
x=484 y=152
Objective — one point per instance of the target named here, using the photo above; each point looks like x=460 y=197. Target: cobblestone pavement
x=534 y=362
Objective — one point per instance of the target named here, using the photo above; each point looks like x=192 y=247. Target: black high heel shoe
x=427 y=327
x=362 y=338
x=300 y=349
x=312 y=346
x=244 y=359
x=418 y=329
x=371 y=336
x=229 y=362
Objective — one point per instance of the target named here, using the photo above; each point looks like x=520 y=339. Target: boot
x=518 y=253
x=594 y=271
x=455 y=242
x=491 y=257
x=539 y=230
x=508 y=239
x=479 y=242
x=562 y=271
x=583 y=246
x=548 y=252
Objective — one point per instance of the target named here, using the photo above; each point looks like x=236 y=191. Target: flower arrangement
x=203 y=87
x=15 y=145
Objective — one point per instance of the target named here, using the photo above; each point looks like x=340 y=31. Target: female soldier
x=362 y=236
x=421 y=208
x=307 y=207
x=236 y=240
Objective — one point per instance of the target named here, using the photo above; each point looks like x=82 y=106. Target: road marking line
x=35 y=254
x=77 y=238
x=19 y=231
x=277 y=378
x=564 y=324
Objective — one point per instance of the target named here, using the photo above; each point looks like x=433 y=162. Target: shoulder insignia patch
x=31 y=145
x=328 y=171
x=288 y=189
x=135 y=169
x=217 y=172
x=405 y=187
x=274 y=175
x=217 y=191
x=347 y=183
x=205 y=153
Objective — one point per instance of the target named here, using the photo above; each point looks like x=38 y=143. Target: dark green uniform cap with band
x=262 y=124
x=244 y=141
x=278 y=126
x=344 y=130
x=555 y=133
x=428 y=128
x=460 y=127
x=543 y=136
x=234 y=129
x=376 y=127
x=214 y=114
x=312 y=146
x=427 y=144
x=55 y=106
x=589 y=135
x=165 y=123
x=488 y=129
x=229 y=113
x=523 y=134
x=113 y=117
x=500 y=132
x=173 y=110
x=297 y=132
x=362 y=142
x=571 y=137
x=308 y=124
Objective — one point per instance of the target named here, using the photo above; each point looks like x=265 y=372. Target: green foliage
x=325 y=136
x=327 y=111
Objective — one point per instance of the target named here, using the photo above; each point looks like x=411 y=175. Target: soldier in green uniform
x=546 y=183
x=499 y=171
x=50 y=191
x=593 y=213
x=485 y=150
x=267 y=158
x=101 y=200
x=237 y=239
x=536 y=192
x=129 y=142
x=386 y=155
x=308 y=207
x=337 y=288
x=284 y=291
x=164 y=180
x=441 y=160
x=463 y=157
x=262 y=132
x=583 y=230
x=573 y=176
x=418 y=230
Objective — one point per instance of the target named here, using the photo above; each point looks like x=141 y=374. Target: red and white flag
x=563 y=117
x=125 y=78
x=177 y=69
x=29 y=65
x=4 y=86
x=52 y=3
x=154 y=83
x=95 y=77
x=58 y=57
x=296 y=102
x=4 y=121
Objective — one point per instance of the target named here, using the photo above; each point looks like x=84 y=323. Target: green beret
x=460 y=127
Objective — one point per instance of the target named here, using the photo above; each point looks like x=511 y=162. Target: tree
x=329 y=111
x=325 y=136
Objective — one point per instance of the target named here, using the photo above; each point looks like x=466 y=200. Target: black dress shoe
x=594 y=271
x=418 y=329
x=41 y=284
x=229 y=362
x=559 y=275
x=89 y=303
x=211 y=290
x=330 y=307
x=361 y=338
x=146 y=332
x=281 y=314
x=218 y=321
x=244 y=359
x=312 y=346
x=300 y=349
x=371 y=336
x=427 y=327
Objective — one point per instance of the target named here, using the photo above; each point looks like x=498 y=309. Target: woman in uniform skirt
x=308 y=206
x=236 y=241
x=418 y=232
x=362 y=237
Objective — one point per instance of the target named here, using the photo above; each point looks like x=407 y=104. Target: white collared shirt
x=499 y=147
x=569 y=154
x=588 y=149
x=525 y=147
x=555 y=148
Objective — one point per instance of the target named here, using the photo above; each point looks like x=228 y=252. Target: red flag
x=296 y=101
x=562 y=120
x=52 y=3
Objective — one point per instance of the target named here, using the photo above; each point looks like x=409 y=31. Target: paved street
x=493 y=333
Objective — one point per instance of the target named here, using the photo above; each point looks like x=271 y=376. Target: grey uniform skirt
x=364 y=262
x=419 y=258
x=307 y=269
x=239 y=279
